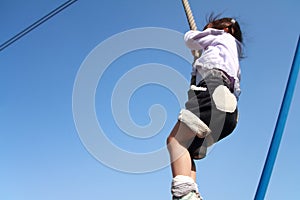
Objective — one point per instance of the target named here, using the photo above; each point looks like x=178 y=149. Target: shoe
x=190 y=196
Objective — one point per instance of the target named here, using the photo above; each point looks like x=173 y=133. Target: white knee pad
x=182 y=185
x=224 y=99
x=194 y=123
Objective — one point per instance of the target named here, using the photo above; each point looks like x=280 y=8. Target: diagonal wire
x=36 y=24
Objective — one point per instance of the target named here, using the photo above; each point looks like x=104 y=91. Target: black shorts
x=202 y=105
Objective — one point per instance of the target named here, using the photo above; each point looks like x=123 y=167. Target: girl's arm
x=196 y=40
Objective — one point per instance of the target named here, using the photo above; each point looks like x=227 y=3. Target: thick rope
x=193 y=26
x=189 y=15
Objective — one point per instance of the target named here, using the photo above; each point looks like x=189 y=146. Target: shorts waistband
x=221 y=73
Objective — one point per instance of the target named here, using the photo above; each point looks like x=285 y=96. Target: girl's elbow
x=193 y=46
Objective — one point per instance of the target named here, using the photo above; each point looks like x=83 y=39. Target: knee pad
x=225 y=101
x=194 y=123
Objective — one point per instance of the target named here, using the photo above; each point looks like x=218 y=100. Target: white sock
x=182 y=185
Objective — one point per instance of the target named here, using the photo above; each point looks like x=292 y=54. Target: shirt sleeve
x=197 y=40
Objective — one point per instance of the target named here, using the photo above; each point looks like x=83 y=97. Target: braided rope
x=193 y=26
x=189 y=15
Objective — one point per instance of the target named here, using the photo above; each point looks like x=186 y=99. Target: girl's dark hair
x=220 y=23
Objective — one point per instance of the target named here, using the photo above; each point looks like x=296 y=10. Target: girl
x=211 y=110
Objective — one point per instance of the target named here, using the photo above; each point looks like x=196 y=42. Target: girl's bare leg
x=193 y=171
x=178 y=141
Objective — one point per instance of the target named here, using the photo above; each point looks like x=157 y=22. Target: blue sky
x=41 y=150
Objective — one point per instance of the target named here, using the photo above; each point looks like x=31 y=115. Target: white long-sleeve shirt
x=219 y=50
